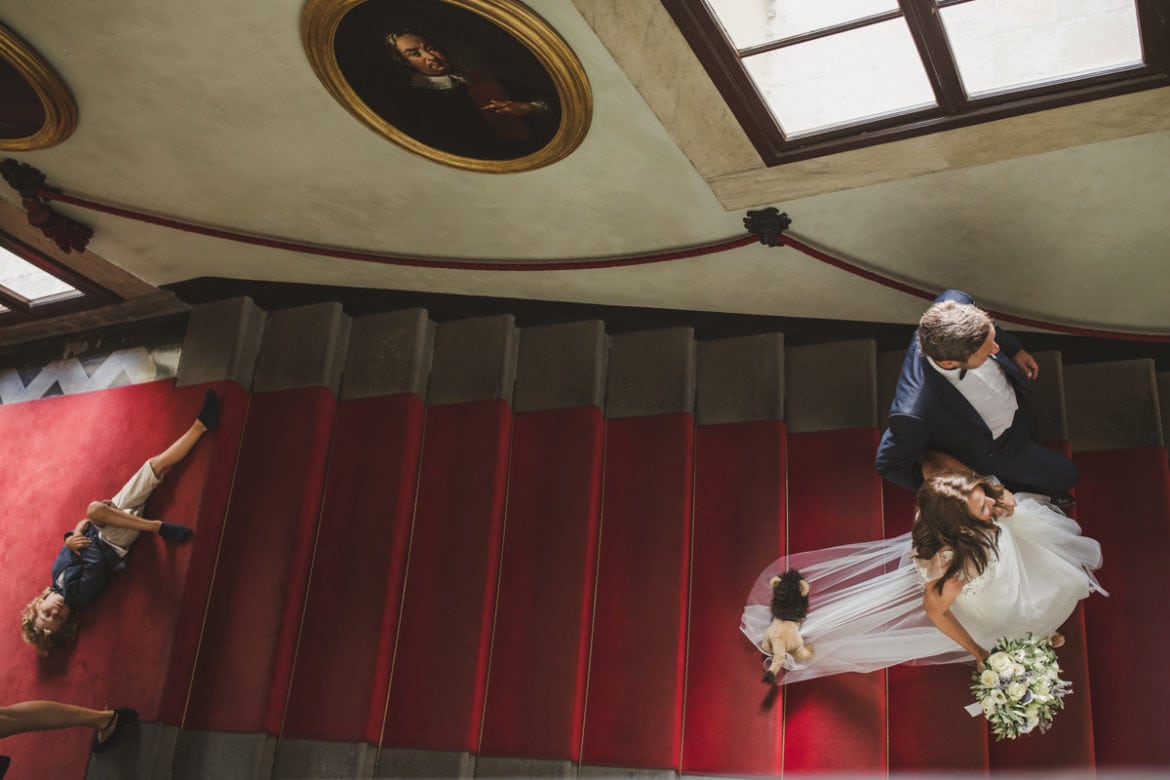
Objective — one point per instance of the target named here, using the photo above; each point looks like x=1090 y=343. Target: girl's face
x=51 y=614
x=981 y=506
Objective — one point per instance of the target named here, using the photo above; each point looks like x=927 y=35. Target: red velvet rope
x=895 y=285
x=369 y=257
x=578 y=265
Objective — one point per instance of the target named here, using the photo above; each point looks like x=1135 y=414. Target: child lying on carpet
x=98 y=545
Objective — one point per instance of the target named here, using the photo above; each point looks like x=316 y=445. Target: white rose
x=1000 y=662
x=989 y=678
x=1017 y=670
x=1016 y=691
x=997 y=696
x=988 y=707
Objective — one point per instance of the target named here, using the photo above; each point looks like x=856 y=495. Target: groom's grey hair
x=950 y=330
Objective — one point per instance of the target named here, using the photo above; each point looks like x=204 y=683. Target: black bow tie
x=962 y=373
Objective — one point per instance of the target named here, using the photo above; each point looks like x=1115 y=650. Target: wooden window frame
x=19 y=310
x=723 y=63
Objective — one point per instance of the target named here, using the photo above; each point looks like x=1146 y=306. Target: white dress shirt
x=989 y=390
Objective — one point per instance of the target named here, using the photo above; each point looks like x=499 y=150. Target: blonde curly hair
x=42 y=639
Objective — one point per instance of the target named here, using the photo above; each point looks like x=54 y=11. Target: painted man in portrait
x=471 y=113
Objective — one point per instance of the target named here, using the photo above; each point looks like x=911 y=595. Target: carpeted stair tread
x=338 y=689
x=834 y=497
x=633 y=712
x=216 y=491
x=440 y=666
x=536 y=686
x=245 y=661
x=930 y=731
x=1123 y=501
x=732 y=721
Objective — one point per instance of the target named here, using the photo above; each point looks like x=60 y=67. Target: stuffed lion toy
x=789 y=607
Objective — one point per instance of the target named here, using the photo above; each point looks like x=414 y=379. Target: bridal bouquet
x=1019 y=687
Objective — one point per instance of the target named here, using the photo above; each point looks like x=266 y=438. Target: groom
x=962 y=401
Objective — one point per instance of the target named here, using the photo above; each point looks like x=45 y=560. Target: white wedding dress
x=865 y=599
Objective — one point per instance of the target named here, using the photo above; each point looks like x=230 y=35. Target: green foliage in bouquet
x=1019 y=686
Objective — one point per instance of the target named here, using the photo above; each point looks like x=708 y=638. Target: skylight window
x=860 y=74
x=1003 y=45
x=750 y=23
x=32 y=285
x=811 y=77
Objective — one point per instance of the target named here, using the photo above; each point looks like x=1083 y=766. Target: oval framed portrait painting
x=38 y=110
x=482 y=85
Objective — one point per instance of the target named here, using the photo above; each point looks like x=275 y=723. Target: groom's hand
x=1006 y=504
x=1027 y=364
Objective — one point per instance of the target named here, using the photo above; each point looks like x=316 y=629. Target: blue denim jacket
x=80 y=577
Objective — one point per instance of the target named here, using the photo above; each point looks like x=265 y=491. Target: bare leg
x=178 y=450
x=106 y=515
x=45 y=715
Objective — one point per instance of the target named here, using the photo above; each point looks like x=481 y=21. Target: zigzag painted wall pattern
x=131 y=366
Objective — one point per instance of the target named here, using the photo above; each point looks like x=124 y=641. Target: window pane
x=752 y=22
x=855 y=76
x=1002 y=45
x=31 y=283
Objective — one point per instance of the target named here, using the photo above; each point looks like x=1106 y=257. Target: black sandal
x=123 y=716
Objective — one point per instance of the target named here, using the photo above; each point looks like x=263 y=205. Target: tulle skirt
x=865 y=599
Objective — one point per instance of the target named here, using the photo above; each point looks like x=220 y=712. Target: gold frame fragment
x=56 y=99
x=319 y=24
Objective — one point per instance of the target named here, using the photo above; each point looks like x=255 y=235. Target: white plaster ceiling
x=210 y=112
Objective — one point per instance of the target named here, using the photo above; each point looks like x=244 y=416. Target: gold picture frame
x=56 y=102
x=356 y=47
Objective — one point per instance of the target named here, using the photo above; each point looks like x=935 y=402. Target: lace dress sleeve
x=931 y=569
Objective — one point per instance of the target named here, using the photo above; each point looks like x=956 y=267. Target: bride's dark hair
x=944 y=520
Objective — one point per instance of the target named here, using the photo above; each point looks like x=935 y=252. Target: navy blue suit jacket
x=928 y=413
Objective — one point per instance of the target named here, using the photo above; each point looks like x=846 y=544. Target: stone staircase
x=470 y=548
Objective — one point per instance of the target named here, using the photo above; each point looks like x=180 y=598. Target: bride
x=978 y=565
